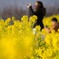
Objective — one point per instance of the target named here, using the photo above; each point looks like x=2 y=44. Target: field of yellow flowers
x=19 y=41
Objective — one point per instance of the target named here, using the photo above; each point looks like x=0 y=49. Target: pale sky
x=23 y=3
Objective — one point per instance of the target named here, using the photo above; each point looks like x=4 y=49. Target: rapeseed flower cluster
x=18 y=41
